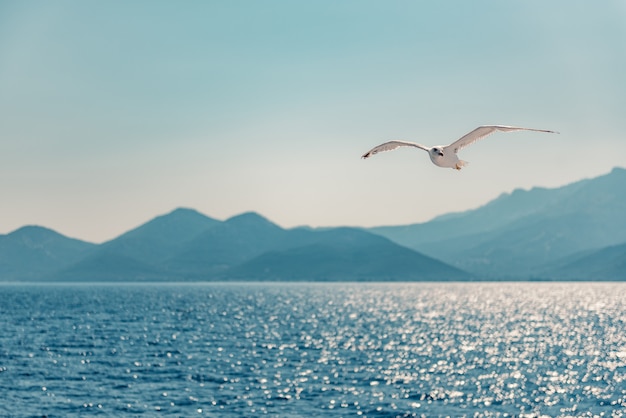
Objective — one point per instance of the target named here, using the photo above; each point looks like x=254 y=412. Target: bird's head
x=436 y=151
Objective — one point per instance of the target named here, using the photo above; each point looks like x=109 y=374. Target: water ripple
x=376 y=350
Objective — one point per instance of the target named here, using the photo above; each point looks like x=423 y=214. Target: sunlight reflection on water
x=485 y=349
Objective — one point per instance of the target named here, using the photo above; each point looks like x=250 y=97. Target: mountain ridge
x=185 y=245
x=517 y=234
x=572 y=232
x=41 y=249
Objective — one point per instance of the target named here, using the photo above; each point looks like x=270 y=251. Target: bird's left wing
x=483 y=131
x=391 y=145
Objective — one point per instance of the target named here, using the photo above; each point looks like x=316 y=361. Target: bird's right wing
x=483 y=131
x=391 y=145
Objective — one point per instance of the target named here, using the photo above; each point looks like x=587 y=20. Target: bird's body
x=446 y=155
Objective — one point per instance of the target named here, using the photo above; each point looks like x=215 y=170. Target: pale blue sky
x=113 y=112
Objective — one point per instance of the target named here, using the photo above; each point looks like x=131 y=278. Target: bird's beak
x=440 y=154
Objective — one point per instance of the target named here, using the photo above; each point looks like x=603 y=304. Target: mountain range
x=185 y=245
x=575 y=232
x=572 y=232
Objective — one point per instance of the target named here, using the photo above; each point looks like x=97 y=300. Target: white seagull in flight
x=445 y=156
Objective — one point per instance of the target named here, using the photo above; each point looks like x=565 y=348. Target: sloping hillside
x=515 y=235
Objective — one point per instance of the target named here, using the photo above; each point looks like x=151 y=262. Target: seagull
x=446 y=156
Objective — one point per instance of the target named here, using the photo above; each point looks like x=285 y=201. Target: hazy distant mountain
x=161 y=237
x=343 y=253
x=516 y=235
x=605 y=264
x=228 y=244
x=31 y=251
x=104 y=266
x=249 y=247
x=138 y=254
x=575 y=232
x=186 y=245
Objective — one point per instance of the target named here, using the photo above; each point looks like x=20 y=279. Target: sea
x=313 y=350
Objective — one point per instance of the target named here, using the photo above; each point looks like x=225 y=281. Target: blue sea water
x=370 y=350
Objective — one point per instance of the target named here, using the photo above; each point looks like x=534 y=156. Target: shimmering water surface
x=382 y=350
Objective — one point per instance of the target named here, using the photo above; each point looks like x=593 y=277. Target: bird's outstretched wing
x=483 y=131
x=391 y=145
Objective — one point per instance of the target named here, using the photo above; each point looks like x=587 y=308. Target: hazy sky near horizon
x=114 y=112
